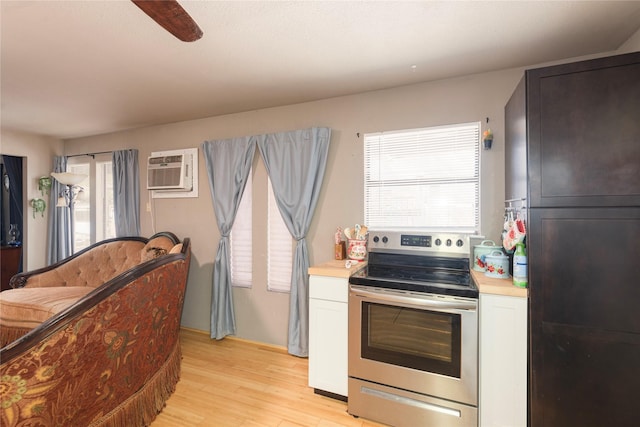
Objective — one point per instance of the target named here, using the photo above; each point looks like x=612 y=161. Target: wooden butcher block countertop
x=490 y=285
x=335 y=268
x=486 y=285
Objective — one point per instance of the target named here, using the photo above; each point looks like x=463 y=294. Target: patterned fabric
x=92 y=366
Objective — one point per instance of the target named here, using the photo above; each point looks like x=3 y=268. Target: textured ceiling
x=78 y=68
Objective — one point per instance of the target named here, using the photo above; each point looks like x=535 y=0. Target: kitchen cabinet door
x=503 y=361
x=583 y=125
x=584 y=267
x=585 y=329
x=328 y=335
x=515 y=147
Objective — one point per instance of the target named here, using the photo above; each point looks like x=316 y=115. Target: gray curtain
x=126 y=192
x=295 y=162
x=228 y=165
x=59 y=226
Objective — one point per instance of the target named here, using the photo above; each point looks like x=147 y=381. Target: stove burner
x=418 y=273
x=433 y=275
x=465 y=289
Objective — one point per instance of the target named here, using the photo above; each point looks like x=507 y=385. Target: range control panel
x=433 y=243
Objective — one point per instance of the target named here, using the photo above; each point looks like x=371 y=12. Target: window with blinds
x=280 y=248
x=241 y=241
x=279 y=245
x=94 y=210
x=423 y=179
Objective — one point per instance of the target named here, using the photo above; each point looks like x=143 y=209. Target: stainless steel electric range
x=413 y=332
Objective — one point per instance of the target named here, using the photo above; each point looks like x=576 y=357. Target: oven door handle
x=413 y=299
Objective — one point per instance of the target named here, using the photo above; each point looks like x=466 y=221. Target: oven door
x=424 y=343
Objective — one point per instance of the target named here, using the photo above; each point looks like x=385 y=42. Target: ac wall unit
x=170 y=172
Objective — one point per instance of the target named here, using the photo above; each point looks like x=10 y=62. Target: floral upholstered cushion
x=27 y=308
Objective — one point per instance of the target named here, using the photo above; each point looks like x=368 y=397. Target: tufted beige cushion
x=92 y=268
x=176 y=249
x=28 y=307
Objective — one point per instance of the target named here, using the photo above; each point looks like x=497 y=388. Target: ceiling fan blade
x=172 y=17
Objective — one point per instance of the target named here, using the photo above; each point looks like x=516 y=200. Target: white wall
x=38 y=152
x=263 y=315
x=631 y=45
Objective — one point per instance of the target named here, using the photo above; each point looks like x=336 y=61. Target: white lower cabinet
x=503 y=361
x=328 y=334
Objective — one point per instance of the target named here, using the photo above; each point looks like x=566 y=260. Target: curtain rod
x=90 y=154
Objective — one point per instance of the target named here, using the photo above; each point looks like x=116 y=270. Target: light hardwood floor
x=237 y=383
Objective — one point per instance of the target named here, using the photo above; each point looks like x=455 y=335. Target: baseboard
x=273 y=347
x=330 y=394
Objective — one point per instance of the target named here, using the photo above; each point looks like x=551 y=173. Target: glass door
x=420 y=339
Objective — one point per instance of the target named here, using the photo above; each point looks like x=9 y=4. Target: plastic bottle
x=520 y=266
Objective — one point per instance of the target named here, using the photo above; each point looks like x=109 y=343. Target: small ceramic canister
x=497 y=265
x=357 y=249
x=480 y=252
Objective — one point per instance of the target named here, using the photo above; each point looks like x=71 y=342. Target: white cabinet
x=328 y=334
x=503 y=361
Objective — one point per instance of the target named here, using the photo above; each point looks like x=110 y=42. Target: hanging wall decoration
x=487 y=139
x=38 y=206
x=44 y=184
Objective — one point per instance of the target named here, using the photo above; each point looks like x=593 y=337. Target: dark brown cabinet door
x=584 y=133
x=515 y=149
x=585 y=327
x=9 y=264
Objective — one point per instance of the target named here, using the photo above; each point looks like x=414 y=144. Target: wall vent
x=173 y=173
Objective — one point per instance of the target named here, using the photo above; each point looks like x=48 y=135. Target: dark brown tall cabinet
x=573 y=150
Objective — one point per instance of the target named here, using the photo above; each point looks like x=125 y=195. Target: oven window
x=419 y=339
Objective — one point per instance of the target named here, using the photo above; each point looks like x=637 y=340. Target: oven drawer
x=402 y=408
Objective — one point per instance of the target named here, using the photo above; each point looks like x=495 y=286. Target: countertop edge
x=486 y=285
x=493 y=286
x=336 y=268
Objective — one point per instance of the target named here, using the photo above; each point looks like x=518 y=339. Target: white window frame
x=424 y=179
x=98 y=192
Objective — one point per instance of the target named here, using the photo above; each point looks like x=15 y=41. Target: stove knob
x=385 y=239
x=459 y=243
x=438 y=242
x=448 y=242
x=376 y=239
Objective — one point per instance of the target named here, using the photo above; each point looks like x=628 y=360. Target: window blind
x=423 y=178
x=241 y=241
x=280 y=248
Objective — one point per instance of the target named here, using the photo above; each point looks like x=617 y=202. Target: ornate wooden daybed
x=112 y=356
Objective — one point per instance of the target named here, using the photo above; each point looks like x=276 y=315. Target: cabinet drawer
x=329 y=288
